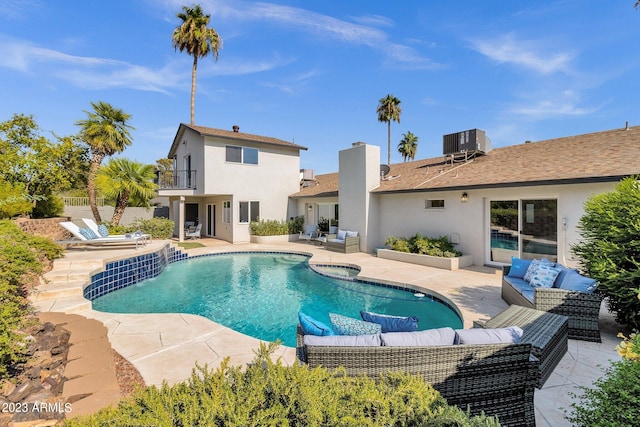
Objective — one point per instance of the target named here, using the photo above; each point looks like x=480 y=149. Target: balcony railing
x=176 y=180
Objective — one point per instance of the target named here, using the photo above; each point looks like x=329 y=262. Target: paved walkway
x=167 y=346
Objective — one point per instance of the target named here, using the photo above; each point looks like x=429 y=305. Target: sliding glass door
x=526 y=228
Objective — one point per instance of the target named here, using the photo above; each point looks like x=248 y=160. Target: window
x=434 y=204
x=244 y=155
x=226 y=212
x=249 y=211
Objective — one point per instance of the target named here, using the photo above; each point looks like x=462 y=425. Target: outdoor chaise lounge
x=87 y=237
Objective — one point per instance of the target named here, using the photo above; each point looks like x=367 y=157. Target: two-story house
x=224 y=179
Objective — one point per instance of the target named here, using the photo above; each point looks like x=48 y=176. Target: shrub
x=438 y=246
x=613 y=401
x=159 y=228
x=21 y=261
x=610 y=249
x=272 y=227
x=270 y=394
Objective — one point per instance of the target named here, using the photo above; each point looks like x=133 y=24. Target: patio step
x=58 y=290
x=73 y=304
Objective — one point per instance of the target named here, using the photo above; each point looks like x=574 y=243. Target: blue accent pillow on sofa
x=574 y=281
x=533 y=267
x=544 y=277
x=311 y=326
x=343 y=325
x=518 y=267
x=391 y=323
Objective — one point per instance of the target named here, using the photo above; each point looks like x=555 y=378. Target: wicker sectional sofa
x=346 y=244
x=582 y=308
x=498 y=379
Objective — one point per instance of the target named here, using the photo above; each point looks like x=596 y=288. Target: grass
x=190 y=245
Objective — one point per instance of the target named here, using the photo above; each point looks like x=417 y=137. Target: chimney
x=236 y=128
x=626 y=126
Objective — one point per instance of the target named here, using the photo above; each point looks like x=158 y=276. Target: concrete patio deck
x=165 y=347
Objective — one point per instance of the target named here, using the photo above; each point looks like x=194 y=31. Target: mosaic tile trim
x=129 y=271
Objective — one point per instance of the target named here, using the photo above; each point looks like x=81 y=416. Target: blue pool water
x=260 y=295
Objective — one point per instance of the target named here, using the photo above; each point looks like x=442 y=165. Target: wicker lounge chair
x=498 y=379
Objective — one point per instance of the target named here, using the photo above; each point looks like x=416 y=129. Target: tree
x=610 y=249
x=408 y=146
x=33 y=168
x=106 y=132
x=198 y=40
x=123 y=179
x=388 y=110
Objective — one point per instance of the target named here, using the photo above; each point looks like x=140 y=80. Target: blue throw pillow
x=574 y=281
x=518 y=267
x=87 y=233
x=103 y=231
x=311 y=326
x=534 y=266
x=544 y=276
x=343 y=325
x=391 y=323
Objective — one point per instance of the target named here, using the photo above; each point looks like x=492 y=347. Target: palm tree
x=106 y=132
x=122 y=179
x=197 y=39
x=388 y=110
x=408 y=146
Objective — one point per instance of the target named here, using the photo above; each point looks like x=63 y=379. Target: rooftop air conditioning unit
x=473 y=140
x=308 y=174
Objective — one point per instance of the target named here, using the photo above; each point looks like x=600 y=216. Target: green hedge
x=272 y=227
x=438 y=246
x=22 y=257
x=270 y=394
x=159 y=228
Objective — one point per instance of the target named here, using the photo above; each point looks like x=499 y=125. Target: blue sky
x=313 y=71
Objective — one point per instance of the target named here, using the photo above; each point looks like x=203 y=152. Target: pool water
x=260 y=295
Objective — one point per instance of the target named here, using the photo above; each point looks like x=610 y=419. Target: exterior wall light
x=464 y=198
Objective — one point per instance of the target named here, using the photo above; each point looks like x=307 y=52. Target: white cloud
x=323 y=26
x=102 y=73
x=528 y=54
x=565 y=103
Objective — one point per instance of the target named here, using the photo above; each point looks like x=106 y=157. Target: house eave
x=588 y=180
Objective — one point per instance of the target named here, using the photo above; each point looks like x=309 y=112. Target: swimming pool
x=260 y=294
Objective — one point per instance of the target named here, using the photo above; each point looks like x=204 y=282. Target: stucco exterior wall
x=403 y=215
x=359 y=174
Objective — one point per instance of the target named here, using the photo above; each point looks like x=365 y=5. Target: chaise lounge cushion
x=311 y=326
x=103 y=230
x=428 y=338
x=391 y=323
x=343 y=325
x=510 y=335
x=371 y=340
x=88 y=233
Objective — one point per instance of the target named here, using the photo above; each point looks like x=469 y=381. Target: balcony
x=176 y=180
